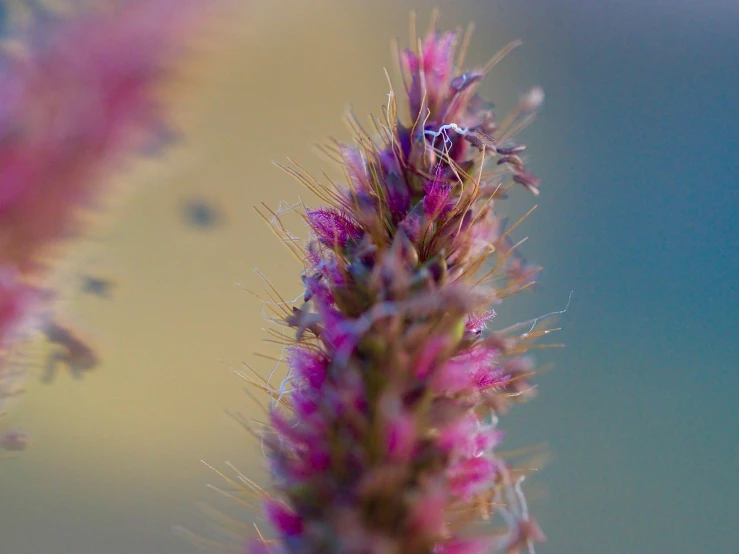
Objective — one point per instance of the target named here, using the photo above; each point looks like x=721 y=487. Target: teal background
x=640 y=201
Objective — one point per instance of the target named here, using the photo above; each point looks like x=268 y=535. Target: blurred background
x=637 y=149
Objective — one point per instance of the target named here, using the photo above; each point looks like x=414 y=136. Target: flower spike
x=386 y=440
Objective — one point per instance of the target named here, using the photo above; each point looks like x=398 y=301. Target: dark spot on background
x=97 y=286
x=201 y=213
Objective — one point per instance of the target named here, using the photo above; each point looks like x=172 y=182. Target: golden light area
x=114 y=459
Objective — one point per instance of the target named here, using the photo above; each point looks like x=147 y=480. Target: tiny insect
x=201 y=213
x=97 y=286
x=73 y=352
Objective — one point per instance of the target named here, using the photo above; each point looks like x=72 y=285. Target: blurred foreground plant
x=383 y=436
x=79 y=94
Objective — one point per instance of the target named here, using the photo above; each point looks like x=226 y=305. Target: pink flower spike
x=285 y=521
x=308 y=365
x=333 y=227
x=385 y=441
x=428 y=358
x=401 y=435
x=471 y=477
x=428 y=512
x=436 y=201
x=399 y=429
x=356 y=168
x=478 y=323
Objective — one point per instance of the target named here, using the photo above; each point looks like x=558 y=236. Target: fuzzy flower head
x=385 y=440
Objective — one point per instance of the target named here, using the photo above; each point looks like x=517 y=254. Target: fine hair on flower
x=384 y=436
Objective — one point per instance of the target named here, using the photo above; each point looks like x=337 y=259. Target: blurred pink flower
x=78 y=95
